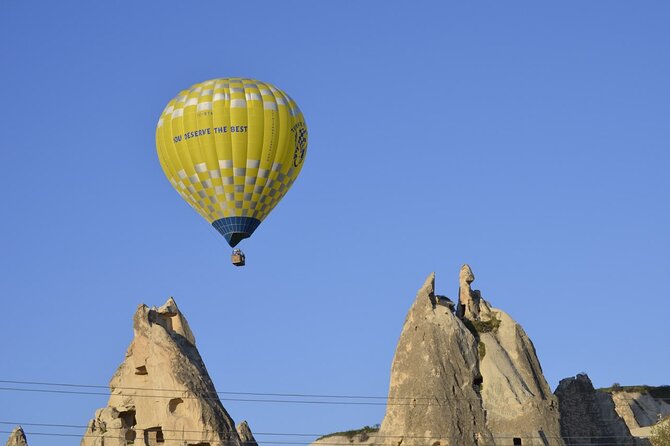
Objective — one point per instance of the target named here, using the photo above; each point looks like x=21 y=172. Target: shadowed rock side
x=246 y=437
x=517 y=398
x=162 y=393
x=588 y=416
x=17 y=438
x=432 y=396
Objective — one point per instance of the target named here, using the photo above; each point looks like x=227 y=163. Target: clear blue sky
x=528 y=139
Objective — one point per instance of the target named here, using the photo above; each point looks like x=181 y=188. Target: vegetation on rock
x=481 y=347
x=660 y=434
x=487 y=326
x=655 y=391
x=476 y=327
x=363 y=432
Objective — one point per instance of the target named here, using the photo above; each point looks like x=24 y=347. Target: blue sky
x=527 y=139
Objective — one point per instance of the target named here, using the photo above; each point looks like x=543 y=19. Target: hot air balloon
x=232 y=148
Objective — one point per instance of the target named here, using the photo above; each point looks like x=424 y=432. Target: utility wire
x=291 y=395
x=214 y=396
x=306 y=395
x=181 y=441
x=137 y=395
x=435 y=401
x=289 y=434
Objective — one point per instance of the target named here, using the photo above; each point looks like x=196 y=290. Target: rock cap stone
x=17 y=437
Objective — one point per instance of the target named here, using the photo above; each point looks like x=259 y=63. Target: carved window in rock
x=517 y=441
x=165 y=320
x=153 y=436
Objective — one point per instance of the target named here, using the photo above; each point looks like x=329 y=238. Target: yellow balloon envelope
x=232 y=148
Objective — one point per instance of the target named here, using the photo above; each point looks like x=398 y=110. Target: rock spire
x=516 y=396
x=468 y=301
x=161 y=392
x=433 y=394
x=17 y=437
x=246 y=437
x=470 y=378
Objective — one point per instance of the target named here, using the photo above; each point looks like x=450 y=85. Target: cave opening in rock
x=128 y=418
x=174 y=403
x=517 y=441
x=477 y=383
x=141 y=370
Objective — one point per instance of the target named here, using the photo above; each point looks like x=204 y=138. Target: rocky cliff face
x=433 y=395
x=162 y=393
x=589 y=417
x=517 y=398
x=640 y=410
x=17 y=438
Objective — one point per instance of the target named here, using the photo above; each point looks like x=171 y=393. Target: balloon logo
x=232 y=148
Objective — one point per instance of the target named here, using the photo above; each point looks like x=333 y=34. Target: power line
x=316 y=402
x=289 y=434
x=434 y=400
x=306 y=395
x=74 y=392
x=389 y=400
x=215 y=395
x=181 y=441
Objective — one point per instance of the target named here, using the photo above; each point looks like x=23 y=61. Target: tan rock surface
x=468 y=302
x=639 y=409
x=474 y=378
x=162 y=393
x=516 y=396
x=432 y=394
x=17 y=438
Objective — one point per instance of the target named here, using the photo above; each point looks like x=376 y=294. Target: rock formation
x=468 y=300
x=588 y=416
x=659 y=433
x=433 y=395
x=359 y=437
x=246 y=437
x=464 y=376
x=17 y=438
x=517 y=398
x=640 y=410
x=162 y=393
